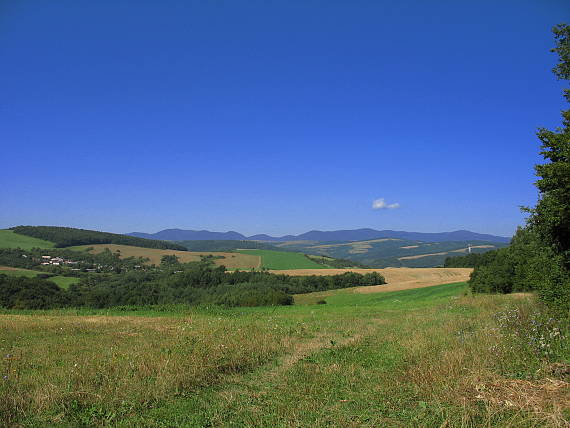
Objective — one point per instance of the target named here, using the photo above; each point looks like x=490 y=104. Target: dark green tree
x=551 y=216
x=169 y=260
x=550 y=219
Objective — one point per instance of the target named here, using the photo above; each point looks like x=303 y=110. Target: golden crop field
x=397 y=279
x=230 y=260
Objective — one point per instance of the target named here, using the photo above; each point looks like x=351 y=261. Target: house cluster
x=56 y=261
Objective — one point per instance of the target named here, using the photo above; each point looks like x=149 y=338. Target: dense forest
x=539 y=255
x=471 y=260
x=68 y=236
x=174 y=283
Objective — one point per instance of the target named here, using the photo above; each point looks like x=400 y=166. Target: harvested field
x=230 y=260
x=419 y=256
x=464 y=250
x=397 y=279
x=460 y=250
x=271 y=259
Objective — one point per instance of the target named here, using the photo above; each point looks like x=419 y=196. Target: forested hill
x=228 y=245
x=68 y=236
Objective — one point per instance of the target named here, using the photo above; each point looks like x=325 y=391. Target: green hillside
x=69 y=236
x=283 y=260
x=10 y=239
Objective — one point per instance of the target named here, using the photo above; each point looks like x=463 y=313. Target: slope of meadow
x=422 y=357
x=10 y=239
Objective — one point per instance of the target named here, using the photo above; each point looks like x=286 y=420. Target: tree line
x=173 y=283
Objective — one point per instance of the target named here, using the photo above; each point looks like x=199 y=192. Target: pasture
x=229 y=260
x=434 y=356
x=280 y=260
x=9 y=239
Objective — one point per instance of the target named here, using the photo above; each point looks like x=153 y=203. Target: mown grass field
x=9 y=239
x=62 y=281
x=229 y=260
x=279 y=260
x=415 y=358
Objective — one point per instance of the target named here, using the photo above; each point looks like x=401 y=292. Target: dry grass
x=546 y=399
x=230 y=260
x=55 y=361
x=380 y=364
x=457 y=361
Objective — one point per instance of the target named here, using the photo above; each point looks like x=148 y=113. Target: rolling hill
x=68 y=236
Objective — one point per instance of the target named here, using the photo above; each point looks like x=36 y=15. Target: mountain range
x=322 y=236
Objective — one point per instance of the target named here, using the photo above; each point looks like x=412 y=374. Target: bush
x=532 y=338
x=20 y=292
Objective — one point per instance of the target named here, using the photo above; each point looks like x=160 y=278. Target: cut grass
x=9 y=239
x=279 y=260
x=229 y=260
x=61 y=281
x=421 y=357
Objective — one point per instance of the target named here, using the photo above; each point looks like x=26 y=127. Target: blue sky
x=274 y=116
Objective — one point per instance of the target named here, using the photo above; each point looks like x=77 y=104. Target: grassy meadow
x=279 y=260
x=9 y=239
x=434 y=356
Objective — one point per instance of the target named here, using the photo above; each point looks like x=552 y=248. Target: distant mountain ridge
x=322 y=236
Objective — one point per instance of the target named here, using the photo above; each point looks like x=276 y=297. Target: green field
x=420 y=358
x=283 y=260
x=62 y=281
x=9 y=239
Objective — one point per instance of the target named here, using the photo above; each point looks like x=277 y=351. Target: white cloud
x=380 y=204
